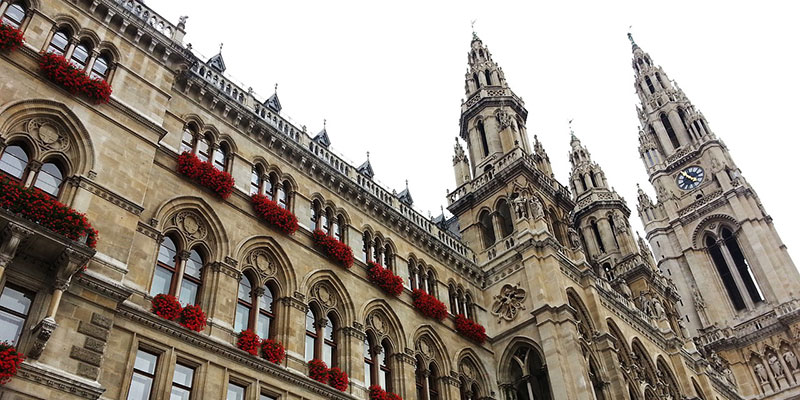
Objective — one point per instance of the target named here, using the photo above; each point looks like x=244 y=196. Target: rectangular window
x=144 y=371
x=182 y=381
x=235 y=392
x=267 y=397
x=15 y=304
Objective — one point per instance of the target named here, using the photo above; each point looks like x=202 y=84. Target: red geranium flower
x=248 y=341
x=385 y=279
x=470 y=329
x=273 y=351
x=204 y=173
x=166 y=306
x=338 y=379
x=376 y=392
x=318 y=370
x=334 y=249
x=274 y=214
x=10 y=38
x=428 y=305
x=193 y=317
x=10 y=359
x=59 y=70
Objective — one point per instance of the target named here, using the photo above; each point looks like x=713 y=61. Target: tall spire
x=482 y=71
x=586 y=175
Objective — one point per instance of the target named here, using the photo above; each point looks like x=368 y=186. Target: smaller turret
x=461 y=165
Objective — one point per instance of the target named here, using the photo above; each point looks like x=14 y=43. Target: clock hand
x=688 y=176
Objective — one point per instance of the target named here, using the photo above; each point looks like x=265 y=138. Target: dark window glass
x=255 y=181
x=725 y=274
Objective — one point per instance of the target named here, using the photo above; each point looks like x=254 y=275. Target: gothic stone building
x=575 y=306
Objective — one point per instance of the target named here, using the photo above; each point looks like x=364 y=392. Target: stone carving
x=520 y=206
x=658 y=309
x=508 y=302
x=377 y=323
x=261 y=260
x=504 y=120
x=41 y=334
x=191 y=224
x=791 y=359
x=323 y=293
x=574 y=239
x=775 y=364
x=729 y=376
x=425 y=347
x=625 y=290
x=48 y=134
x=619 y=223
x=537 y=211
x=761 y=373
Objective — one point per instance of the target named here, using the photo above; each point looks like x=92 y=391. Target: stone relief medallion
x=324 y=295
x=262 y=261
x=377 y=323
x=48 y=134
x=508 y=302
x=425 y=347
x=466 y=369
x=191 y=224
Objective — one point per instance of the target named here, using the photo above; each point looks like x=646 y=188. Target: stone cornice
x=103 y=287
x=204 y=342
x=56 y=379
x=106 y=194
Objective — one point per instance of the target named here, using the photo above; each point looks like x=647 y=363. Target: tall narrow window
x=59 y=43
x=269 y=187
x=187 y=141
x=144 y=373
x=202 y=149
x=419 y=380
x=477 y=81
x=283 y=196
x=80 y=55
x=244 y=304
x=14 y=161
x=369 y=362
x=325 y=220
x=504 y=214
x=192 y=279
x=683 y=118
x=266 y=313
x=597 y=237
x=592 y=178
x=649 y=84
x=15 y=304
x=311 y=335
x=742 y=266
x=613 y=229
x=235 y=391
x=487 y=229
x=165 y=268
x=329 y=343
x=431 y=281
x=49 y=179
x=660 y=81
x=365 y=249
x=433 y=383
x=670 y=132
x=488 y=77
x=724 y=271
x=583 y=182
x=220 y=157
x=484 y=142
x=255 y=181
x=14 y=15
x=385 y=371
x=100 y=68
x=338 y=229
x=182 y=382
x=388 y=257
x=468 y=305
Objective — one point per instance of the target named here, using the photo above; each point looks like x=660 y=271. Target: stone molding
x=106 y=194
x=59 y=380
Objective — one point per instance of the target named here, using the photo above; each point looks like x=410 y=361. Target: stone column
x=292 y=330
x=562 y=355
x=450 y=388
x=177 y=280
x=223 y=281
x=11 y=237
x=352 y=345
x=610 y=362
x=404 y=380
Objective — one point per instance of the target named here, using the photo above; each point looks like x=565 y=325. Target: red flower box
x=249 y=342
x=41 y=208
x=274 y=214
x=334 y=249
x=338 y=379
x=10 y=38
x=56 y=68
x=428 y=305
x=470 y=329
x=166 y=306
x=204 y=173
x=385 y=279
x=318 y=370
x=272 y=351
x=10 y=359
x=376 y=392
x=193 y=317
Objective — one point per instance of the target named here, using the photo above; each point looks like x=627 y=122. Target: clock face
x=690 y=177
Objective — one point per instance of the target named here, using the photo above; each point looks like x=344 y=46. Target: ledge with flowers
x=384 y=278
x=333 y=377
x=10 y=38
x=337 y=251
x=273 y=214
x=205 y=174
x=74 y=80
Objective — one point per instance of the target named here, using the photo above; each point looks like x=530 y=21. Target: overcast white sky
x=389 y=79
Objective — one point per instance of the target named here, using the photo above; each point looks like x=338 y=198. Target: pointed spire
x=273 y=102
x=366 y=168
x=217 y=62
x=405 y=196
x=322 y=137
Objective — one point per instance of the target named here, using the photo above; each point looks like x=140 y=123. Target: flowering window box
x=166 y=306
x=56 y=68
x=470 y=329
x=376 y=392
x=428 y=305
x=334 y=249
x=10 y=359
x=41 y=208
x=204 y=173
x=249 y=342
x=275 y=215
x=318 y=370
x=192 y=317
x=385 y=279
x=10 y=38
x=272 y=351
x=338 y=379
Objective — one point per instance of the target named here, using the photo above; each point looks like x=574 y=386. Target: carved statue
x=682 y=327
x=729 y=376
x=620 y=223
x=520 y=206
x=625 y=290
x=644 y=304
x=536 y=208
x=761 y=373
x=574 y=239
x=775 y=365
x=658 y=309
x=791 y=359
x=182 y=21
x=504 y=120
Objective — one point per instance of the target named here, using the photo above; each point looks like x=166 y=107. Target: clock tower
x=711 y=234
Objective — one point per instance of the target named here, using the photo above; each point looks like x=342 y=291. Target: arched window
x=282 y=194
x=188 y=139
x=649 y=84
x=613 y=229
x=684 y=120
x=431 y=281
x=488 y=77
x=80 y=55
x=255 y=183
x=420 y=380
x=742 y=266
x=484 y=142
x=598 y=238
x=583 y=182
x=377 y=251
x=166 y=266
x=312 y=335
x=487 y=230
x=715 y=251
x=325 y=221
x=385 y=370
x=433 y=382
x=266 y=312
x=269 y=186
x=377 y=370
x=244 y=304
x=321 y=341
x=100 y=67
x=366 y=250
x=369 y=362
x=221 y=157
x=528 y=376
x=203 y=144
x=670 y=132
x=388 y=257
x=660 y=81
x=338 y=228
x=591 y=177
x=468 y=306
x=59 y=43
x=14 y=15
x=451 y=292
x=14 y=161
x=477 y=81
x=412 y=274
x=504 y=214
x=192 y=279
x=329 y=342
x=49 y=179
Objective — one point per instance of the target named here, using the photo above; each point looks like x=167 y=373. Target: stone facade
x=574 y=307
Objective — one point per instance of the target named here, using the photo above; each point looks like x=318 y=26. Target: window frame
x=152 y=376
x=15 y=24
x=27 y=319
x=190 y=388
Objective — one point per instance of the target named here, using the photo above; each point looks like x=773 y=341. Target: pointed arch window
x=555 y=224
x=366 y=249
x=14 y=161
x=369 y=362
x=684 y=120
x=166 y=267
x=321 y=341
x=244 y=304
x=715 y=251
x=484 y=142
x=254 y=308
x=49 y=179
x=431 y=283
x=649 y=84
x=583 y=182
x=255 y=181
x=14 y=15
x=282 y=194
x=598 y=238
x=504 y=216
x=59 y=42
x=221 y=157
x=329 y=343
x=477 y=81
x=592 y=179
x=384 y=368
x=742 y=266
x=311 y=334
x=80 y=55
x=670 y=132
x=433 y=383
x=192 y=280
x=488 y=75
x=187 y=140
x=528 y=376
x=613 y=229
x=487 y=229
